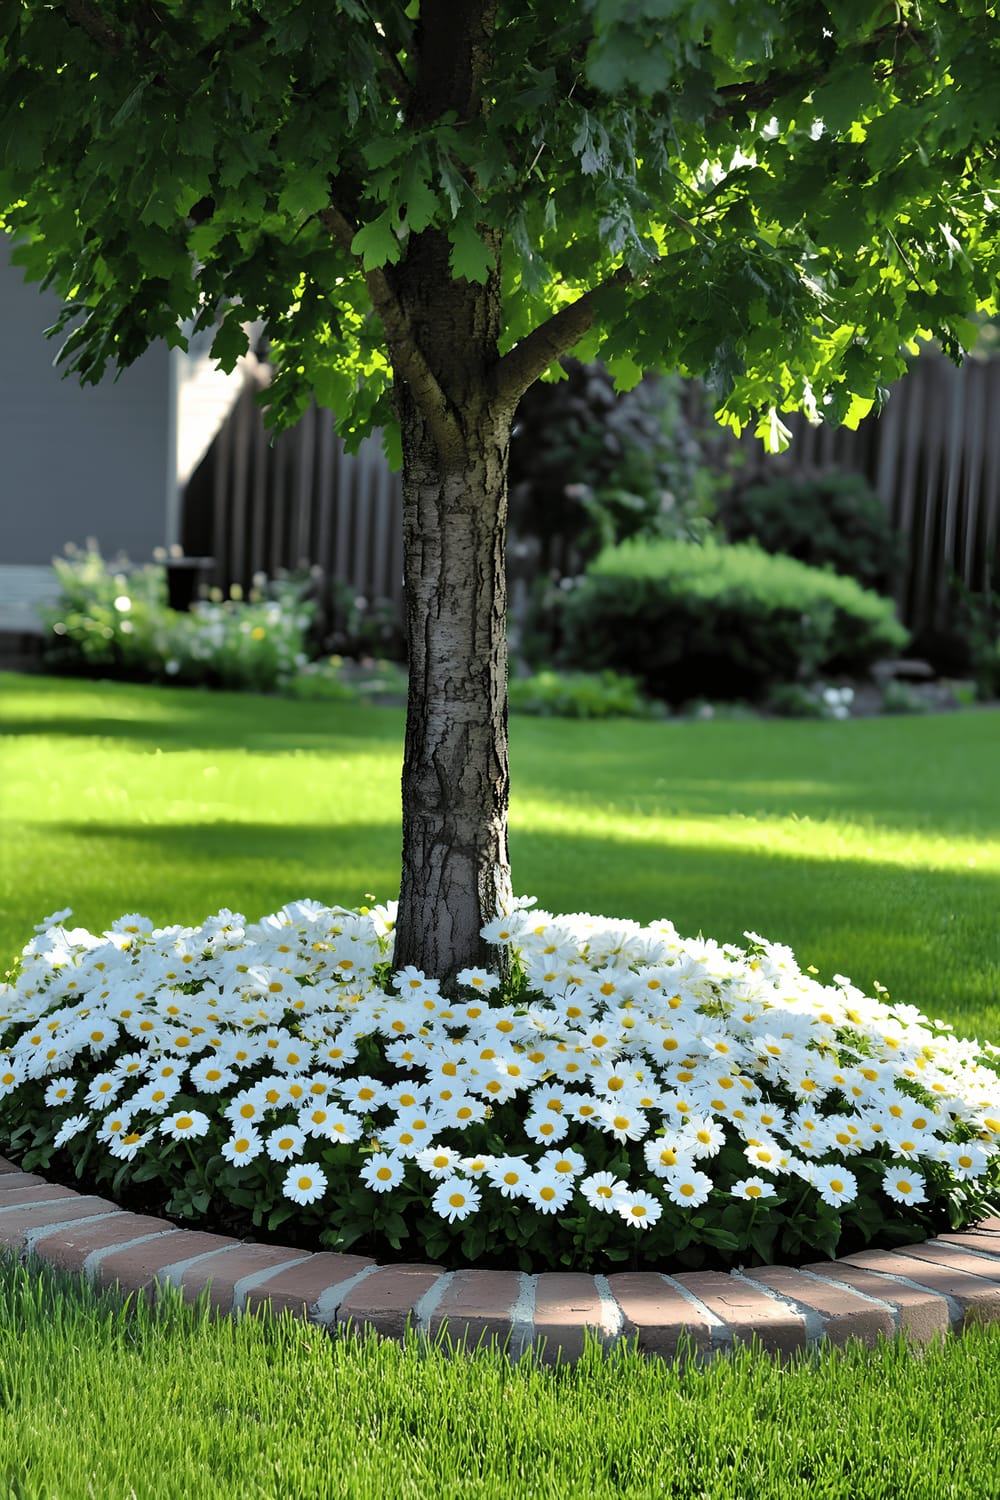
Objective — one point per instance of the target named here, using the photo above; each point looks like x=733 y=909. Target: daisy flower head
x=687 y=1187
x=243 y=1108
x=113 y=1125
x=509 y=1175
x=602 y=1190
x=157 y=1096
x=415 y=985
x=624 y=1124
x=903 y=1186
x=835 y=1185
x=543 y=1127
x=753 y=1189
x=480 y=980
x=128 y=1144
x=455 y=1199
x=70 y=1128
x=210 y=1076
x=186 y=1124
x=639 y=1210
x=60 y=1091
x=548 y=1191
x=568 y=1163
x=705 y=1135
x=103 y=1091
x=382 y=1172
x=965 y=1161
x=304 y=1183
x=285 y=1143
x=437 y=1161
x=242 y=1147
x=665 y=1152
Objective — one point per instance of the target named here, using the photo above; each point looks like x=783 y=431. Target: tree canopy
x=778 y=196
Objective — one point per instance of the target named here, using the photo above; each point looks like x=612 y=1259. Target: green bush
x=721 y=622
x=825 y=520
x=579 y=695
x=113 y=620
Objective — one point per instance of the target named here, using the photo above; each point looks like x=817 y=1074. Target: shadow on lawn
x=903 y=925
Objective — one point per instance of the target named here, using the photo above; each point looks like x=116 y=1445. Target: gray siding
x=77 y=461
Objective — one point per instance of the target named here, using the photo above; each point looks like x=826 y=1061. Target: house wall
x=77 y=461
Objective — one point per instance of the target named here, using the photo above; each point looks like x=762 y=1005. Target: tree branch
x=407 y=360
x=90 y=20
x=524 y=363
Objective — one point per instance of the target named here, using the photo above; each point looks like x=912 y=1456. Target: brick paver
x=657 y=1317
x=921 y=1315
x=137 y=1267
x=82 y=1246
x=567 y=1302
x=973 y=1298
x=748 y=1312
x=842 y=1314
x=219 y=1275
x=386 y=1300
x=921 y=1290
x=314 y=1288
x=19 y=1223
x=476 y=1307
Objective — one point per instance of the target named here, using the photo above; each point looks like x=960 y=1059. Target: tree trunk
x=455 y=439
x=456 y=868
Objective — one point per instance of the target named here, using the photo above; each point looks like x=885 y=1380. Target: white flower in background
x=455 y=1199
x=304 y=1183
x=242 y=1147
x=603 y=1190
x=382 y=1172
x=753 y=1189
x=638 y=1209
x=903 y=1186
x=186 y=1124
x=285 y=1142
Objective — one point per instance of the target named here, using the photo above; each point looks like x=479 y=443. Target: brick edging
x=923 y=1290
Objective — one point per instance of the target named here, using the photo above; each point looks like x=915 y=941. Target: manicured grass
x=872 y=847
x=101 y=1400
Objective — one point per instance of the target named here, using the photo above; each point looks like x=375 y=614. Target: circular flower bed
x=624 y=1097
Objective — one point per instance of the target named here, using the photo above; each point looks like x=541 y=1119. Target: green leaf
x=230 y=342
x=376 y=242
x=471 y=258
x=305 y=193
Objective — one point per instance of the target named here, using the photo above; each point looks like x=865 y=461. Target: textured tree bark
x=456 y=868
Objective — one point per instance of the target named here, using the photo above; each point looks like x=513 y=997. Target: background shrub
x=721 y=622
x=113 y=620
x=579 y=695
x=590 y=467
x=825 y=520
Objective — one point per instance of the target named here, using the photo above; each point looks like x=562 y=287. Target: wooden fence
x=262 y=503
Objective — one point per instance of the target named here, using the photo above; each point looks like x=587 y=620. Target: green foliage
x=115 y=622
x=967 y=644
x=721 y=622
x=827 y=520
x=589 y=468
x=579 y=695
x=779 y=196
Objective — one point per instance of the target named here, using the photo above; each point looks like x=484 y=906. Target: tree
x=429 y=204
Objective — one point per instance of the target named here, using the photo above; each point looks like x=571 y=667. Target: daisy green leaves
x=627 y=1097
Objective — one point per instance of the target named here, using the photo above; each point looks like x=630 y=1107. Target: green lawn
x=872 y=847
x=101 y=1404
